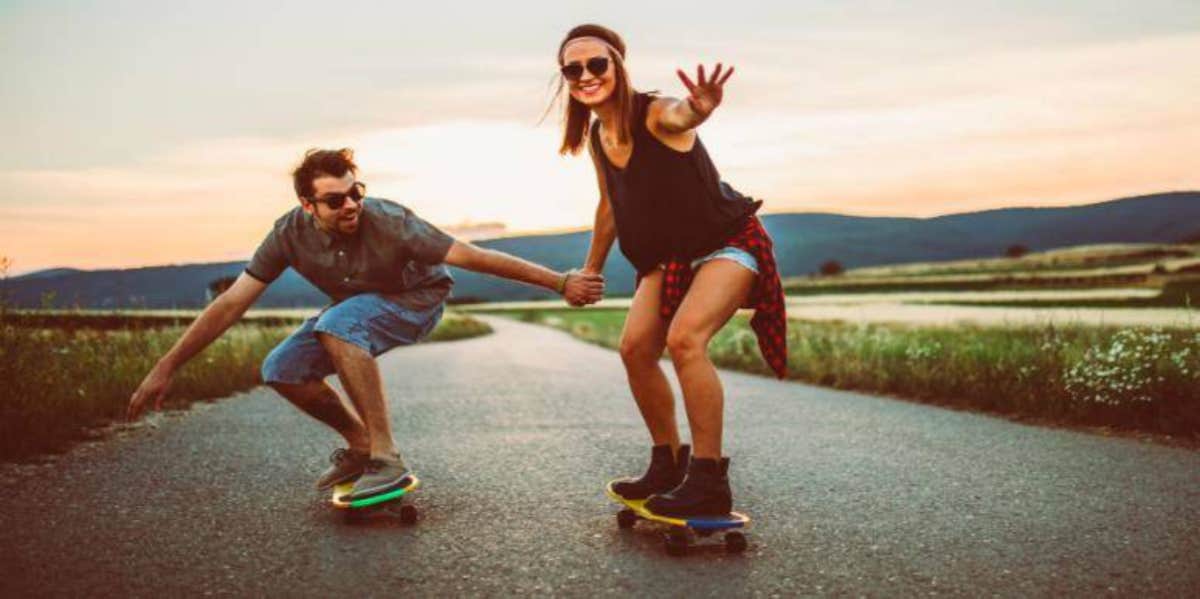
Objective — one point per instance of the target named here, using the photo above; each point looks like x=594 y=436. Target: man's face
x=343 y=220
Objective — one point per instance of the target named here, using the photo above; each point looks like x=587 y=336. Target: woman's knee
x=686 y=343
x=640 y=350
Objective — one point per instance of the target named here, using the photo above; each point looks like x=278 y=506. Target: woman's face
x=589 y=56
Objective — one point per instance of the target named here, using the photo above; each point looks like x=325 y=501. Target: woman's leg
x=719 y=289
x=642 y=342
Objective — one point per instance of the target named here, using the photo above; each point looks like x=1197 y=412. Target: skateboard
x=681 y=531
x=390 y=502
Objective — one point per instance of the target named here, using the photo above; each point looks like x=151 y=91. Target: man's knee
x=288 y=366
x=272 y=369
x=336 y=346
x=291 y=389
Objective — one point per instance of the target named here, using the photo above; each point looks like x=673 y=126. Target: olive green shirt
x=394 y=252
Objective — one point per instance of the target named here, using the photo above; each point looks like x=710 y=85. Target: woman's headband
x=588 y=38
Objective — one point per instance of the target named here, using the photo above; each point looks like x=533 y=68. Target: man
x=384 y=269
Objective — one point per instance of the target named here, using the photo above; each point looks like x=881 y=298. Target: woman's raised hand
x=704 y=95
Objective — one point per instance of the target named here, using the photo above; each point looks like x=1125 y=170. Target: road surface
x=515 y=434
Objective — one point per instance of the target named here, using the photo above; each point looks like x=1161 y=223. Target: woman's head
x=591 y=59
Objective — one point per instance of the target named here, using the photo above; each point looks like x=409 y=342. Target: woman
x=698 y=248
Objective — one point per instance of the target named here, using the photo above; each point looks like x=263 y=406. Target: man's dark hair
x=322 y=163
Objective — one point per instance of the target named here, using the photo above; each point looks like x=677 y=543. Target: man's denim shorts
x=368 y=320
x=730 y=253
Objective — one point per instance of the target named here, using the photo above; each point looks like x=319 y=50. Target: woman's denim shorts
x=730 y=253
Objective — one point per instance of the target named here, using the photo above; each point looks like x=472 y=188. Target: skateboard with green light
x=389 y=502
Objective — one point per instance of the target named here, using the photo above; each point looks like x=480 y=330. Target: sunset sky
x=138 y=133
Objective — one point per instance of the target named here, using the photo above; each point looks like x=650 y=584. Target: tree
x=1016 y=251
x=5 y=264
x=831 y=268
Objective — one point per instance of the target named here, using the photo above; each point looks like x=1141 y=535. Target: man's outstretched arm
x=214 y=320
x=577 y=287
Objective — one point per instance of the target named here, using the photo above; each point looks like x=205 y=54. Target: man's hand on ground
x=153 y=388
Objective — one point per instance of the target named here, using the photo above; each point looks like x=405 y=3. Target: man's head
x=328 y=190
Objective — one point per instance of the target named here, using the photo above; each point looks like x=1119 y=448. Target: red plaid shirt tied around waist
x=766 y=298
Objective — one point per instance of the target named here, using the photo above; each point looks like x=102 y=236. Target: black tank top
x=668 y=204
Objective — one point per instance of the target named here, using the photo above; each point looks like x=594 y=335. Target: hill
x=803 y=242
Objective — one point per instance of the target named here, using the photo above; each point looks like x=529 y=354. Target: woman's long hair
x=577 y=115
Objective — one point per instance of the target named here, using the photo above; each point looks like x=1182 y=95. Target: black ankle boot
x=704 y=492
x=665 y=473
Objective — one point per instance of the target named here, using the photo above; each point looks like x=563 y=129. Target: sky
x=140 y=133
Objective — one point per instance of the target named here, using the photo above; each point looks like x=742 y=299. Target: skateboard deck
x=358 y=509
x=680 y=532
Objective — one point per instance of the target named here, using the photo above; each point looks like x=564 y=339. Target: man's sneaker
x=380 y=475
x=704 y=492
x=347 y=465
x=664 y=473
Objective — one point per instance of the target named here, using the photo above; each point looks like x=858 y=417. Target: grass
x=59 y=382
x=1146 y=266
x=117 y=320
x=1175 y=294
x=455 y=326
x=1128 y=378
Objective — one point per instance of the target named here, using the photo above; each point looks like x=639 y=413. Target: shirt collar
x=326 y=237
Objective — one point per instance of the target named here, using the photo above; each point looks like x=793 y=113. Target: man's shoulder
x=386 y=215
x=385 y=207
x=289 y=221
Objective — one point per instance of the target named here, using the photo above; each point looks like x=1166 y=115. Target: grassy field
x=1141 y=379
x=58 y=381
x=1170 y=272
x=124 y=320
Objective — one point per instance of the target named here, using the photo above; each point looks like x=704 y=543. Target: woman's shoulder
x=655 y=104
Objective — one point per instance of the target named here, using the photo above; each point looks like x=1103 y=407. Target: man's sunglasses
x=597 y=66
x=335 y=201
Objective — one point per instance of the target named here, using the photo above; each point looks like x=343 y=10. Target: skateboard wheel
x=735 y=542
x=408 y=514
x=626 y=519
x=676 y=544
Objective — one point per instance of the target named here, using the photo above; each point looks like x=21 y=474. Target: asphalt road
x=514 y=436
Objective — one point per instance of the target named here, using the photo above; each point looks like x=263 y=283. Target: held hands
x=705 y=94
x=153 y=387
x=583 y=288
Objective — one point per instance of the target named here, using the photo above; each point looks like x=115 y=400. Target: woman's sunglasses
x=335 y=201
x=597 y=66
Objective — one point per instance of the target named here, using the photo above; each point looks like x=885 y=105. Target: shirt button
x=347 y=279
x=341 y=253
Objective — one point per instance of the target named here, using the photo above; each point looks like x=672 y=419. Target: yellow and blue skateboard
x=681 y=531
x=389 y=502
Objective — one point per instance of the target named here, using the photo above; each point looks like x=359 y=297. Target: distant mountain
x=49 y=272
x=802 y=242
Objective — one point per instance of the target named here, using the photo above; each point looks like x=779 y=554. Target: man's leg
x=351 y=334
x=296 y=369
x=319 y=400
x=359 y=374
